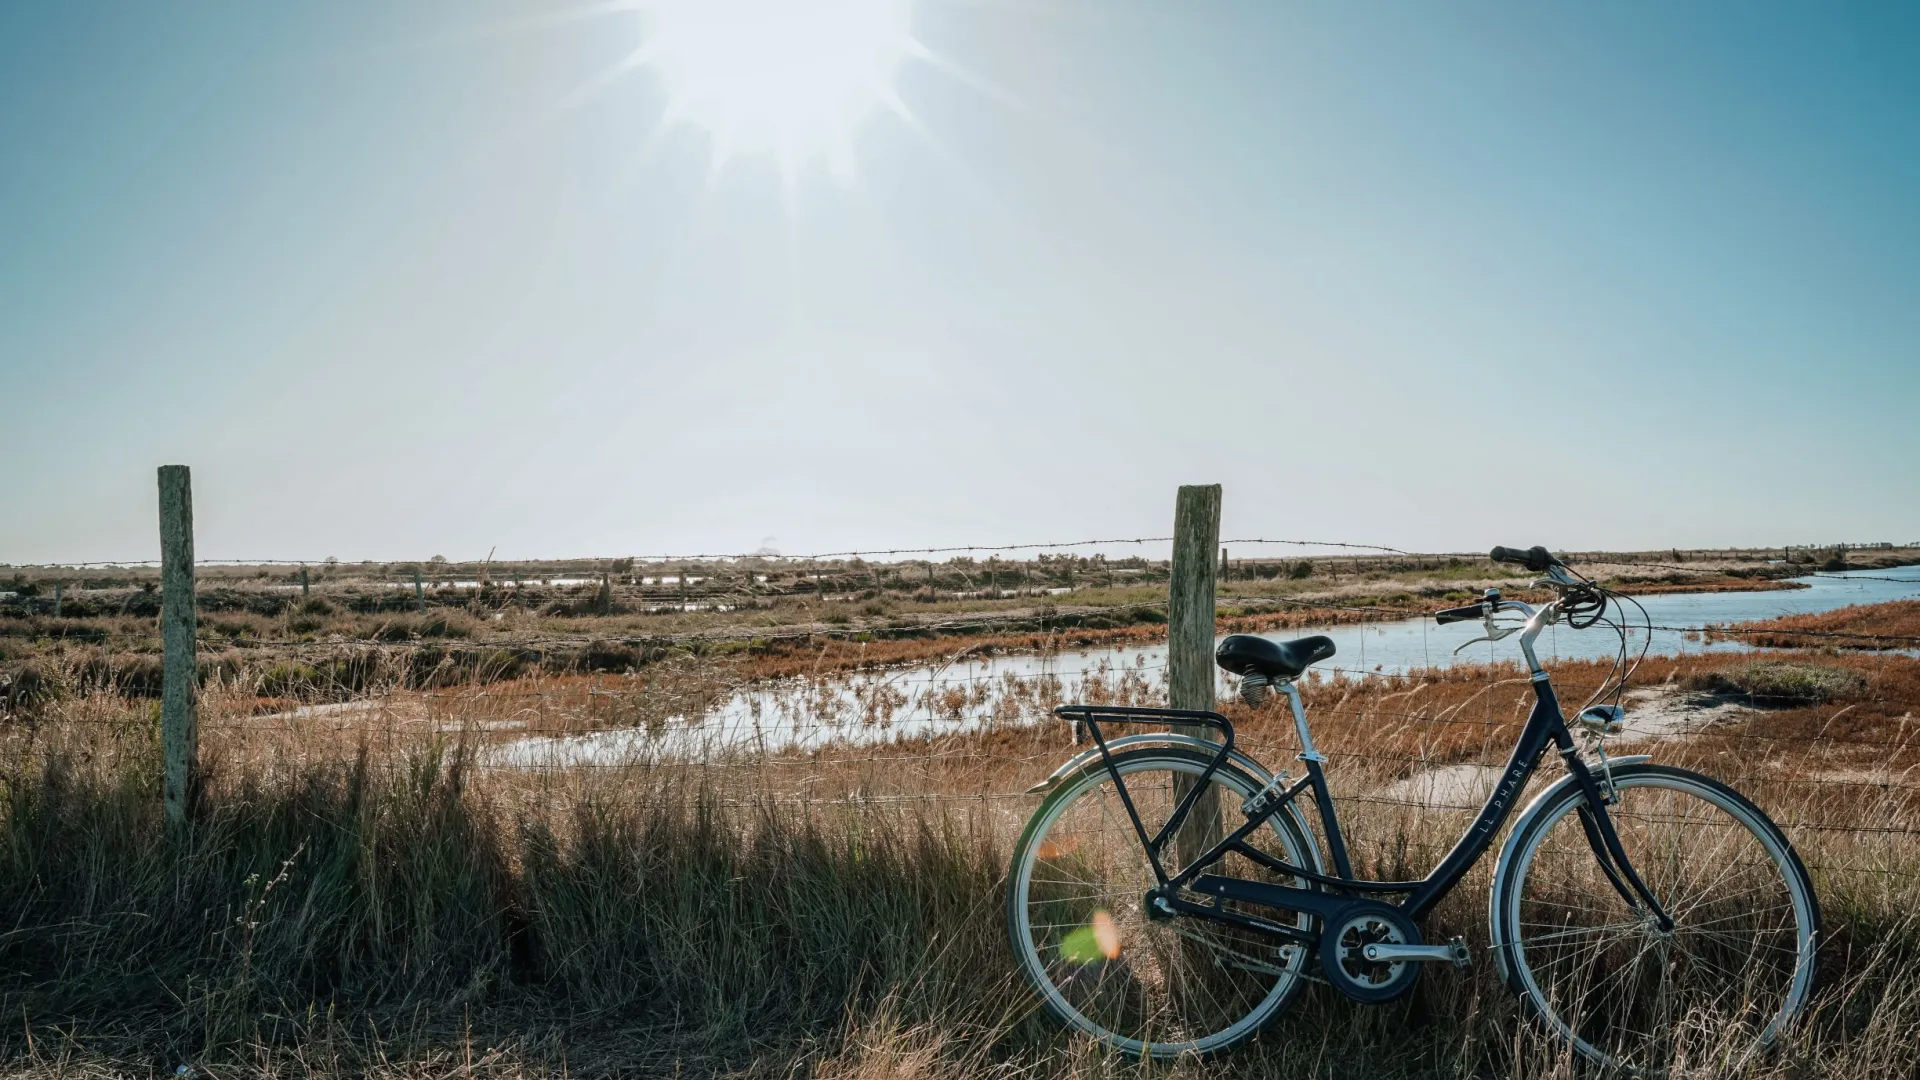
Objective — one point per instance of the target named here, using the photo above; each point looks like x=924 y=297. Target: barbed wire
x=764 y=554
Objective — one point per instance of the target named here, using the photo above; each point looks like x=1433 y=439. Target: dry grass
x=367 y=893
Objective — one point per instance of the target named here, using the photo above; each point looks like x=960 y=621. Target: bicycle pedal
x=1459 y=952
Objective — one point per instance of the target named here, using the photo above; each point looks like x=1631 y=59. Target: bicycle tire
x=1040 y=960
x=1588 y=985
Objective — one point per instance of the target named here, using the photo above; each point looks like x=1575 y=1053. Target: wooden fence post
x=179 y=687
x=303 y=583
x=1190 y=611
x=57 y=598
x=419 y=592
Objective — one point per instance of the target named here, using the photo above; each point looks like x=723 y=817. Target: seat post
x=1307 y=751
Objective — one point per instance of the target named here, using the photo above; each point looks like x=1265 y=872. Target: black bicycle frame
x=1544 y=724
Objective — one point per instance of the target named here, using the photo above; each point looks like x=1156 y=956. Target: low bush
x=1779 y=682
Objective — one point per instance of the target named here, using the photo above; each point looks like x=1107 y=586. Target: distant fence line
x=1039 y=548
x=705 y=596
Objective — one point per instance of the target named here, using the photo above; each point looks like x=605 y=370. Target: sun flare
x=791 y=80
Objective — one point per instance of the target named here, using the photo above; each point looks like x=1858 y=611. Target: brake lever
x=1494 y=633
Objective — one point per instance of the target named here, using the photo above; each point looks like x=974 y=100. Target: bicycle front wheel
x=1735 y=970
x=1147 y=987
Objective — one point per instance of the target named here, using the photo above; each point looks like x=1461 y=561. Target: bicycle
x=1633 y=905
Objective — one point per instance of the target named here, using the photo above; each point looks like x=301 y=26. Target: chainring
x=1352 y=929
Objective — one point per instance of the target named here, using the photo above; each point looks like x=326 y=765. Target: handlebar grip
x=1460 y=614
x=1536 y=558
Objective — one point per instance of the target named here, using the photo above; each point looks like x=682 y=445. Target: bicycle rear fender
x=1090 y=758
x=1527 y=814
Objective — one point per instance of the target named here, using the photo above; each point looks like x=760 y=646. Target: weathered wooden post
x=57 y=598
x=304 y=584
x=419 y=592
x=1190 y=611
x=179 y=687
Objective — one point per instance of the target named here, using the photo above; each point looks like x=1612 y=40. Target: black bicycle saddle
x=1244 y=654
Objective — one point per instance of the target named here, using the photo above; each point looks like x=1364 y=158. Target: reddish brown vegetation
x=1898 y=620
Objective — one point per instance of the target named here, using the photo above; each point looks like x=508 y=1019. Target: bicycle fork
x=1605 y=841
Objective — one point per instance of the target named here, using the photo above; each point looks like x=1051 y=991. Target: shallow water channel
x=976 y=691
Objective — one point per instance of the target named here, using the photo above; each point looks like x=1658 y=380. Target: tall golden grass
x=371 y=891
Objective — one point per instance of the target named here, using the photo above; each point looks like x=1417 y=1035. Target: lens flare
x=1090 y=944
x=1059 y=848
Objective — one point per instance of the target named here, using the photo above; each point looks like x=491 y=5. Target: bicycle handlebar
x=1460 y=614
x=1536 y=558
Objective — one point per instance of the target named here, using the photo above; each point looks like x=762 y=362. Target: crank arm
x=1454 y=952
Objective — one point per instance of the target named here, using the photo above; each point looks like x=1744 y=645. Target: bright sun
x=791 y=80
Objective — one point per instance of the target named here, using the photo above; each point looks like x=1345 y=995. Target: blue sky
x=1432 y=276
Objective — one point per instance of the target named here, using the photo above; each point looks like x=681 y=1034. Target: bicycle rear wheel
x=1735 y=970
x=1158 y=988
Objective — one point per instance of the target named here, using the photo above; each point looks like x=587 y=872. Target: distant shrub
x=1301 y=569
x=1779 y=682
x=609 y=656
x=24 y=690
x=446 y=626
x=394 y=630
x=288 y=680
